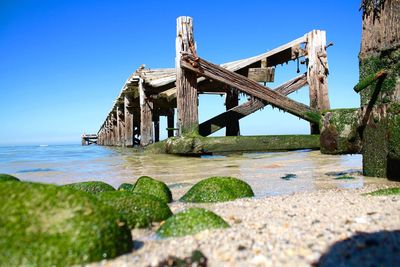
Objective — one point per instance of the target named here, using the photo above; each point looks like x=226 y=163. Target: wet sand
x=290 y=230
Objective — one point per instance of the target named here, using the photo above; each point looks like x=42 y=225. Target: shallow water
x=266 y=172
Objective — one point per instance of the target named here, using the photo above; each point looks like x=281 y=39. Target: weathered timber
x=146 y=117
x=250 y=87
x=156 y=120
x=220 y=121
x=121 y=124
x=231 y=101
x=170 y=122
x=361 y=85
x=128 y=110
x=261 y=74
x=317 y=73
x=186 y=80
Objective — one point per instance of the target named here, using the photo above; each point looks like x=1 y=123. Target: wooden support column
x=128 y=118
x=146 y=116
x=231 y=101
x=317 y=74
x=186 y=80
x=170 y=122
x=121 y=124
x=108 y=132
x=156 y=120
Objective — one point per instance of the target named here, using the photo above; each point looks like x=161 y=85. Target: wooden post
x=156 y=119
x=128 y=112
x=231 y=101
x=170 y=122
x=113 y=126
x=317 y=74
x=186 y=80
x=121 y=124
x=146 y=116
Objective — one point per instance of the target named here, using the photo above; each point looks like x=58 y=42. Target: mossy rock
x=126 y=187
x=153 y=187
x=218 y=189
x=138 y=209
x=190 y=222
x=94 y=187
x=385 y=192
x=48 y=225
x=6 y=177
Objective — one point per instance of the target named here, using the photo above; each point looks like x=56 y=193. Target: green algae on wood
x=7 y=177
x=48 y=225
x=153 y=187
x=218 y=189
x=385 y=192
x=126 y=187
x=93 y=187
x=139 y=210
x=190 y=222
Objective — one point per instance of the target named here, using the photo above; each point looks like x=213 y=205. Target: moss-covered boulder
x=6 y=177
x=47 y=225
x=126 y=187
x=138 y=209
x=93 y=187
x=218 y=189
x=153 y=187
x=189 y=222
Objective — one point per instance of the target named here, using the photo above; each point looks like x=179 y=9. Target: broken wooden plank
x=220 y=121
x=250 y=87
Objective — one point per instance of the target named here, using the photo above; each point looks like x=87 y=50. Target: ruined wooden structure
x=151 y=93
x=89 y=139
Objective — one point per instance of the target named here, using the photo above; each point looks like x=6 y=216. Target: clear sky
x=62 y=63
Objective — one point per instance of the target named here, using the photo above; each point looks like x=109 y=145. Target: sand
x=291 y=230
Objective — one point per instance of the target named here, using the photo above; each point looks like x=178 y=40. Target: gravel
x=292 y=230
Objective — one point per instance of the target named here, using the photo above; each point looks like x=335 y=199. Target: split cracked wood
x=250 y=87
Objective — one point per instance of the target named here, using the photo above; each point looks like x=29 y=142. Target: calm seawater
x=268 y=173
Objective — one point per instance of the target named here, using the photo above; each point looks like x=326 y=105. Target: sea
x=269 y=173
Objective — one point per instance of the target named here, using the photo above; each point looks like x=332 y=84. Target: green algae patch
x=94 y=187
x=126 y=187
x=344 y=177
x=153 y=187
x=385 y=192
x=48 y=225
x=190 y=222
x=139 y=210
x=218 y=189
x=6 y=177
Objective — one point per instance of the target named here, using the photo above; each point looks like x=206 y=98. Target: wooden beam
x=128 y=110
x=250 y=87
x=186 y=80
x=232 y=125
x=317 y=73
x=146 y=117
x=170 y=122
x=220 y=121
x=121 y=124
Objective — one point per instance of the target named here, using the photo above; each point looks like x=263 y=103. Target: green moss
x=383 y=91
x=217 y=189
x=314 y=117
x=47 y=225
x=344 y=177
x=6 y=177
x=125 y=187
x=153 y=187
x=138 y=209
x=190 y=222
x=394 y=134
x=93 y=187
x=385 y=192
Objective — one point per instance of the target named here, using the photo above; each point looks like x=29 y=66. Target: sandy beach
x=291 y=230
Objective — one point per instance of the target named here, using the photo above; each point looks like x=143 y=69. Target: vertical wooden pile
x=186 y=80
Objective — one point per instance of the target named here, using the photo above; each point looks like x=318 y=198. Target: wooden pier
x=89 y=139
x=150 y=93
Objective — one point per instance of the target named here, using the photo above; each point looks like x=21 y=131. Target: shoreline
x=288 y=230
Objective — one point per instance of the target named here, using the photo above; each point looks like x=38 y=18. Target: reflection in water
x=263 y=171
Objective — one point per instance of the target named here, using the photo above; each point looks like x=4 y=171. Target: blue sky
x=62 y=63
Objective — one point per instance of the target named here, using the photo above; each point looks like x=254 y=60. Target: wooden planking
x=186 y=80
x=250 y=87
x=220 y=121
x=261 y=74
